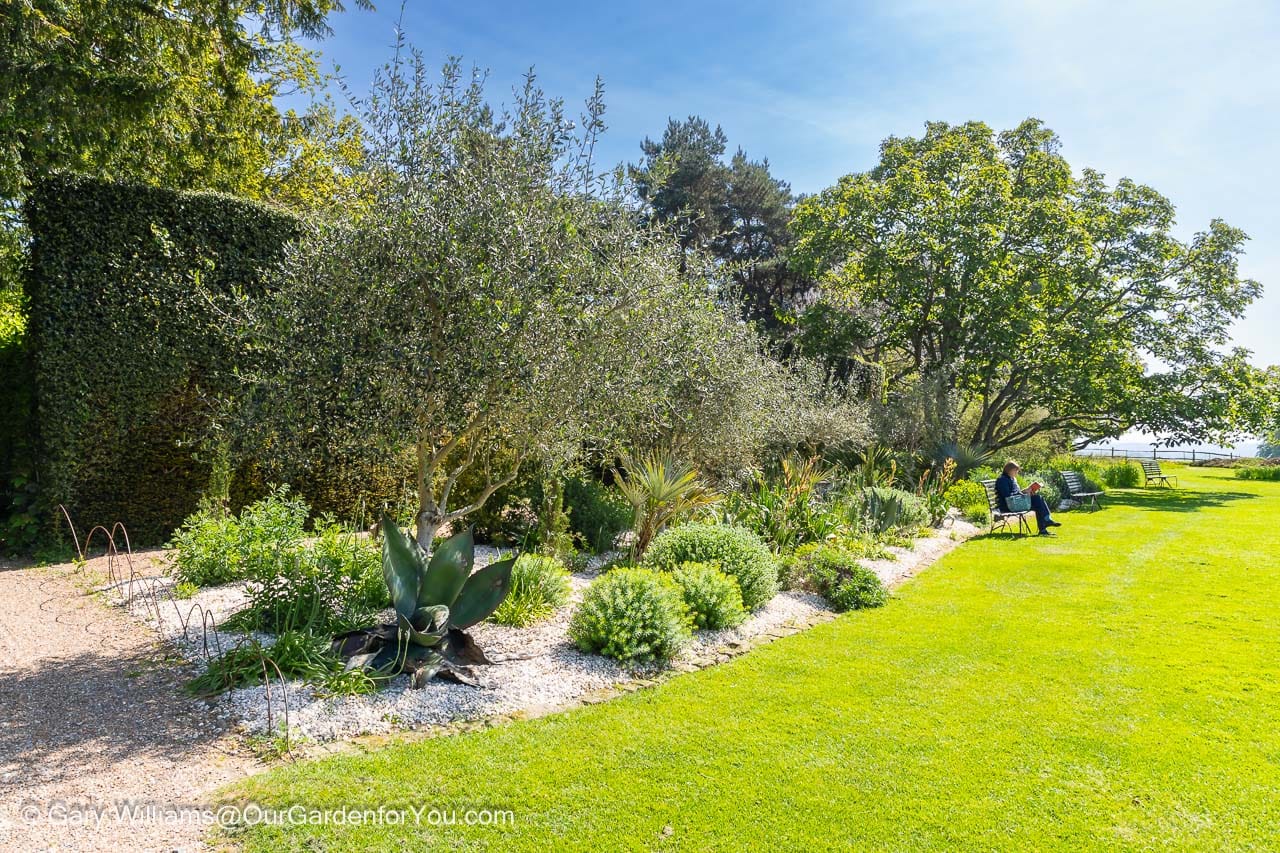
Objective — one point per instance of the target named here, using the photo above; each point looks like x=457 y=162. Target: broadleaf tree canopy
x=1029 y=297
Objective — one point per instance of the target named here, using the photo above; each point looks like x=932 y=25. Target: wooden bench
x=999 y=517
x=1151 y=470
x=1078 y=489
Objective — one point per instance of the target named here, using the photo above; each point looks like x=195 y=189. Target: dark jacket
x=1005 y=487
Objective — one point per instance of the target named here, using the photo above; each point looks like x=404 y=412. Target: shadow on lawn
x=1173 y=500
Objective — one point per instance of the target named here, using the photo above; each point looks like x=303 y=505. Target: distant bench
x=1078 y=489
x=1151 y=470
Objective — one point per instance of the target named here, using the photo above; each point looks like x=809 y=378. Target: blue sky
x=1182 y=96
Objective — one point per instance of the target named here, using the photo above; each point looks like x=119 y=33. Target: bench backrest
x=993 y=499
x=1075 y=482
x=1152 y=469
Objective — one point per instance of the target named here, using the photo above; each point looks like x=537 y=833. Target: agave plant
x=436 y=599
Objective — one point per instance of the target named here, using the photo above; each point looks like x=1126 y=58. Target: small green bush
x=713 y=598
x=1122 y=475
x=737 y=551
x=334 y=585
x=1258 y=473
x=597 y=513
x=966 y=493
x=983 y=472
x=632 y=615
x=1051 y=485
x=977 y=513
x=837 y=576
x=540 y=585
x=213 y=547
x=884 y=510
x=203 y=548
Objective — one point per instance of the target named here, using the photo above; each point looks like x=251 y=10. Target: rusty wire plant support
x=153 y=595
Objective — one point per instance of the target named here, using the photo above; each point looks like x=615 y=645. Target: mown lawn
x=1118 y=686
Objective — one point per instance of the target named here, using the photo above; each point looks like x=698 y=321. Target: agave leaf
x=448 y=570
x=422 y=665
x=427 y=626
x=403 y=567
x=482 y=593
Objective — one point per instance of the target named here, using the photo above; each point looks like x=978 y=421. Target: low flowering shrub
x=539 y=586
x=836 y=576
x=966 y=493
x=736 y=551
x=713 y=598
x=632 y=615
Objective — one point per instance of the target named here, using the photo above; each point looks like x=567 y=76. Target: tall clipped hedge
x=124 y=346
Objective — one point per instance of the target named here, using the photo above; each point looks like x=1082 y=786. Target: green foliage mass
x=1017 y=314
x=324 y=581
x=597 y=513
x=884 y=509
x=963 y=494
x=1270 y=472
x=125 y=345
x=632 y=615
x=713 y=598
x=540 y=585
x=836 y=575
x=736 y=551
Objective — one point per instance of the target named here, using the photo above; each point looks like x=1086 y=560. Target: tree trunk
x=428 y=522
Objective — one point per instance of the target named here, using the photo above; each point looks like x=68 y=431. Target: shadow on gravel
x=96 y=707
x=1173 y=500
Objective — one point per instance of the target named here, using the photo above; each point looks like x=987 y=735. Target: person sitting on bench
x=1007 y=486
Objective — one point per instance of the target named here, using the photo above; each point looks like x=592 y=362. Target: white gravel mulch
x=536 y=669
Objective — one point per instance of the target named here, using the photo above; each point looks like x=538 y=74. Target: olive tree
x=481 y=299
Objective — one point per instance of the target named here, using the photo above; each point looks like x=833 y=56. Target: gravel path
x=92 y=713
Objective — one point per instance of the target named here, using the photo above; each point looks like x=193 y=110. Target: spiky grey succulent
x=436 y=599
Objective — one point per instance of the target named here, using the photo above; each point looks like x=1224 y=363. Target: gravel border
x=536 y=669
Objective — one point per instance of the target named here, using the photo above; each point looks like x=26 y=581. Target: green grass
x=1116 y=687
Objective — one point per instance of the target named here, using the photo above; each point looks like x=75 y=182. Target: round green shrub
x=838 y=577
x=1123 y=475
x=737 y=551
x=977 y=513
x=632 y=615
x=713 y=598
x=540 y=585
x=966 y=493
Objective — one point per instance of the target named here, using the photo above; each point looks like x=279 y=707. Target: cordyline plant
x=661 y=490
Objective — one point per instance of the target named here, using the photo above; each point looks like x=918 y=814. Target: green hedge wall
x=124 y=347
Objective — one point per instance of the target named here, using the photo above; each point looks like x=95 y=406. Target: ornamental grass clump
x=540 y=586
x=713 y=598
x=737 y=552
x=634 y=615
